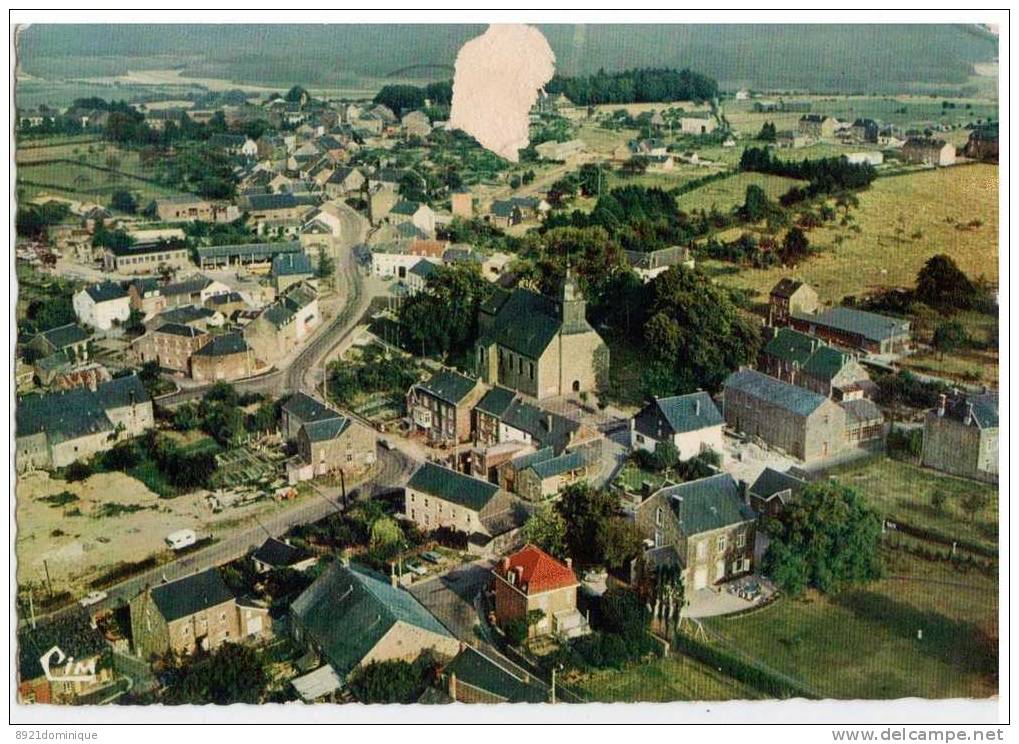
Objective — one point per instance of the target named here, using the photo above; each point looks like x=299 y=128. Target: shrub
x=516 y=630
x=77 y=471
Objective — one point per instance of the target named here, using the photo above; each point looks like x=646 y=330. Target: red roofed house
x=530 y=580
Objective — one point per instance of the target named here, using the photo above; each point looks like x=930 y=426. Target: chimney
x=942 y=399
x=548 y=421
x=130 y=395
x=969 y=413
x=505 y=565
x=511 y=577
x=452 y=685
x=697 y=407
x=569 y=563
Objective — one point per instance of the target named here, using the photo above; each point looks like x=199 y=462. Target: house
x=708 y=526
x=928 y=151
x=396 y=259
x=540 y=346
x=101 y=306
x=271 y=211
x=282 y=325
x=147 y=258
x=517 y=209
x=212 y=256
x=420 y=216
x=800 y=359
x=417 y=277
x=552 y=150
x=817 y=126
x=71 y=340
x=275 y=554
x=864 y=130
x=960 y=436
x=439 y=498
x=792 y=139
x=473 y=677
x=170 y=346
x=416 y=124
x=200 y=318
x=772 y=491
x=983 y=143
x=300 y=409
x=691 y=422
x=697 y=125
x=234 y=144
x=330 y=445
x=290 y=268
x=185 y=208
x=63 y=660
x=441 y=406
x=352 y=616
x=198 y=611
x=790 y=296
x=874 y=157
x=344 y=181
x=224 y=357
x=858 y=330
x=226 y=304
x=462 y=204
x=532 y=581
x=865 y=424
x=540 y=475
x=802 y=423
x=191 y=291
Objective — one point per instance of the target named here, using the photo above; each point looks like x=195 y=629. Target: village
x=322 y=393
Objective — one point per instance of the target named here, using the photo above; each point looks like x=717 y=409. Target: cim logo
x=58 y=667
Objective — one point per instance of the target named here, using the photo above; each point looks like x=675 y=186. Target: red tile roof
x=430 y=248
x=538 y=571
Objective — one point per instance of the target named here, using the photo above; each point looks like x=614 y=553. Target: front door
x=700 y=577
x=720 y=570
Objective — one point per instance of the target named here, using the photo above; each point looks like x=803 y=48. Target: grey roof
x=291 y=264
x=185 y=597
x=324 y=430
x=786 y=287
x=306 y=408
x=179 y=329
x=105 y=292
x=526 y=322
x=707 y=504
x=496 y=401
x=144 y=249
x=546 y=428
x=423 y=269
x=525 y=461
x=564 y=463
x=224 y=345
x=189 y=286
x=861 y=410
x=269 y=202
x=792 y=398
x=405 y=207
x=348 y=610
x=771 y=482
x=186 y=314
x=66 y=335
x=473 y=668
x=257 y=250
x=691 y=412
x=452 y=486
x=121 y=391
x=279 y=554
x=61 y=416
x=985 y=409
x=870 y=326
x=449 y=385
x=72 y=632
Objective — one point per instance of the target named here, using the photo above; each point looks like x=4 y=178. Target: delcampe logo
x=58 y=667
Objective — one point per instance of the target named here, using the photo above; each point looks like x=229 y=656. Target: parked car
x=92 y=598
x=181 y=539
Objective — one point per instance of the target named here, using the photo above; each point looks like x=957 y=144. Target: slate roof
x=791 y=346
x=707 y=504
x=323 y=431
x=526 y=322
x=448 y=385
x=144 y=249
x=985 y=409
x=405 y=207
x=473 y=668
x=278 y=314
x=224 y=345
x=258 y=250
x=186 y=314
x=525 y=461
x=558 y=465
x=105 y=292
x=771 y=482
x=452 y=486
x=306 y=408
x=348 y=609
x=496 y=401
x=269 y=202
x=861 y=411
x=179 y=329
x=793 y=398
x=529 y=418
x=423 y=269
x=61 y=416
x=291 y=264
x=278 y=554
x=692 y=412
x=786 y=287
x=825 y=363
x=189 y=286
x=184 y=597
x=539 y=572
x=118 y=392
x=66 y=335
x=72 y=633
x=870 y=326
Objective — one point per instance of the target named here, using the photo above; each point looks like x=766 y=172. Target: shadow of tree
x=960 y=644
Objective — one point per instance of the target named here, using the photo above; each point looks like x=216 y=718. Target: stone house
x=691 y=422
x=858 y=330
x=192 y=291
x=697 y=125
x=71 y=340
x=540 y=475
x=801 y=359
x=538 y=346
x=330 y=445
x=352 y=616
x=225 y=357
x=145 y=296
x=396 y=259
x=289 y=269
x=198 y=611
x=817 y=126
x=928 y=151
x=282 y=325
x=417 y=276
x=983 y=143
x=270 y=211
x=802 y=423
x=441 y=406
x=865 y=424
x=532 y=581
x=147 y=258
x=299 y=409
x=790 y=296
x=101 y=306
x=185 y=208
x=772 y=491
x=864 y=130
x=170 y=346
x=344 y=181
x=706 y=524
x=420 y=215
x=960 y=436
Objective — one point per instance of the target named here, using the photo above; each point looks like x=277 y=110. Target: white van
x=181 y=539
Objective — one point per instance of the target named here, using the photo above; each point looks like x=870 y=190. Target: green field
x=731 y=192
x=660 y=681
x=863 y=643
x=900 y=491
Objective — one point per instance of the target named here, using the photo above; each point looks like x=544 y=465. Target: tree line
x=643 y=85
x=826 y=175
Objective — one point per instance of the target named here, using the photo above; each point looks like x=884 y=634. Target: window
x=702 y=550
x=640 y=439
x=658 y=538
x=658 y=517
x=530 y=369
x=412 y=498
x=741 y=540
x=412 y=515
x=720 y=543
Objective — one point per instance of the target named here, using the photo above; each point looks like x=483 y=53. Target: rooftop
x=449 y=385
x=105 y=292
x=870 y=326
x=536 y=570
x=224 y=345
x=707 y=504
x=184 y=597
x=452 y=486
x=291 y=264
x=279 y=554
x=793 y=398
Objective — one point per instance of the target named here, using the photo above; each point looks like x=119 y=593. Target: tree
x=795 y=246
x=974 y=502
x=443 y=318
x=77 y=471
x=399 y=98
x=827 y=539
x=938 y=501
x=326 y=265
x=636 y=165
x=135 y=321
x=394 y=681
x=942 y=285
x=124 y=201
x=622 y=613
x=619 y=540
x=756 y=205
x=297 y=94
x=768 y=132
x=231 y=674
x=585 y=510
x=386 y=533
x=949 y=336
x=547 y=529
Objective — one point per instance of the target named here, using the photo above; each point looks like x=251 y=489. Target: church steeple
x=572 y=306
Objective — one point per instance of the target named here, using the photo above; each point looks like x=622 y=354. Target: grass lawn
x=902 y=491
x=884 y=253
x=626 y=370
x=148 y=473
x=970 y=364
x=632 y=478
x=863 y=643
x=663 y=680
x=731 y=192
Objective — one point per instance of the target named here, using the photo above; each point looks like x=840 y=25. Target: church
x=539 y=346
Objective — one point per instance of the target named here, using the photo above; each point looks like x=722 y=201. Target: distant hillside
x=818 y=57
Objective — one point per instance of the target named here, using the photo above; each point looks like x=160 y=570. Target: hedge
x=925 y=533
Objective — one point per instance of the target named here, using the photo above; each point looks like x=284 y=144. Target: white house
x=420 y=215
x=101 y=305
x=859 y=158
x=697 y=125
x=691 y=422
x=250 y=148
